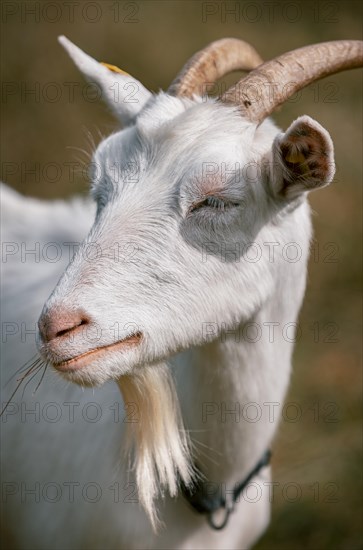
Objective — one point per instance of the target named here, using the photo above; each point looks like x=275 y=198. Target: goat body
x=215 y=232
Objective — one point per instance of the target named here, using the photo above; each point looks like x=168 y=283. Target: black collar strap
x=206 y=504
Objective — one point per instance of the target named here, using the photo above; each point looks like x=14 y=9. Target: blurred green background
x=317 y=458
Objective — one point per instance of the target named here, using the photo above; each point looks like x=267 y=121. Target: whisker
x=41 y=378
x=22 y=368
x=34 y=366
x=12 y=395
x=31 y=378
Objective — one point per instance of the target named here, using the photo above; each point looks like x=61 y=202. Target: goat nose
x=60 y=322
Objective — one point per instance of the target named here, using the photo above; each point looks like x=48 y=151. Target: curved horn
x=213 y=62
x=268 y=86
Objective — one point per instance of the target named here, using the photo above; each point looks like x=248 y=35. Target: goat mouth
x=75 y=363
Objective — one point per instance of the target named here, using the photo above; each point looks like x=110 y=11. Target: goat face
x=187 y=194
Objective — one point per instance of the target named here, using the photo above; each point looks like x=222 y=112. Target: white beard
x=156 y=437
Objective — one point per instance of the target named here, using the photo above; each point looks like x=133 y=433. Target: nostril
x=71 y=328
x=60 y=322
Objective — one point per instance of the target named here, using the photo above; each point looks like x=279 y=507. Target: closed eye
x=213 y=203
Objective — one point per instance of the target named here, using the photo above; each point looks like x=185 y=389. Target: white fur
x=185 y=302
x=123 y=93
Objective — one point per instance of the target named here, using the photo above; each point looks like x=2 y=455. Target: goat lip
x=75 y=363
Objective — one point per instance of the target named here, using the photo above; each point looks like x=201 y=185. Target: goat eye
x=214 y=203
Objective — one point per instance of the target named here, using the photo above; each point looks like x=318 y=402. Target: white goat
x=217 y=227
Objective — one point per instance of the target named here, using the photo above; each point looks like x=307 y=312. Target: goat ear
x=123 y=93
x=302 y=159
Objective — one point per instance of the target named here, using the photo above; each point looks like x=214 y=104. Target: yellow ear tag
x=297 y=158
x=114 y=69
